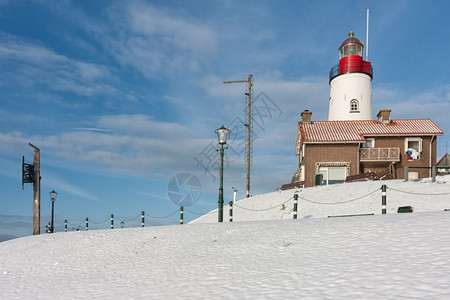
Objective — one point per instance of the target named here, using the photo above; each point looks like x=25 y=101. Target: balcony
x=379 y=154
x=351 y=67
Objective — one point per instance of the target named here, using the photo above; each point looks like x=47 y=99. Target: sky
x=123 y=97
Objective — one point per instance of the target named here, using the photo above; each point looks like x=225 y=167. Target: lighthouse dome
x=351 y=46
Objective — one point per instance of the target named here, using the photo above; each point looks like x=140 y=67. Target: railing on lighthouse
x=351 y=67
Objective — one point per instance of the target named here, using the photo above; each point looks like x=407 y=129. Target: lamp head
x=222 y=134
x=53 y=195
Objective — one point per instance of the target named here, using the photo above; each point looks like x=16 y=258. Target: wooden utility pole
x=36 y=190
x=248 y=125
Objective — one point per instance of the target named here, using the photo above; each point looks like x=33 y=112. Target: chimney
x=306 y=116
x=384 y=116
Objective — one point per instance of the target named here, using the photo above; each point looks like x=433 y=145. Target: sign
x=27 y=172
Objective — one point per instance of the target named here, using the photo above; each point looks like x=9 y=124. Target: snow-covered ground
x=393 y=256
x=341 y=199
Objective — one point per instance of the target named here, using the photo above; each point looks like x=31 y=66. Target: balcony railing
x=351 y=67
x=379 y=154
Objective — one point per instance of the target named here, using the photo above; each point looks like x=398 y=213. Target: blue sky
x=121 y=96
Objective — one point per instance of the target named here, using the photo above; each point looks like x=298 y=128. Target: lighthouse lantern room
x=351 y=83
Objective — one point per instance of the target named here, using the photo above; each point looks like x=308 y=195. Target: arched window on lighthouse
x=354 y=105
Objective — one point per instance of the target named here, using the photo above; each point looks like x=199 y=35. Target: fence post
x=406 y=168
x=181 y=215
x=433 y=174
x=112 y=221
x=142 y=221
x=231 y=211
x=87 y=223
x=65 y=225
x=383 y=199
x=295 y=205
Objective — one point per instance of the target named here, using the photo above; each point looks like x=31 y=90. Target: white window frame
x=372 y=142
x=354 y=101
x=334 y=164
x=414 y=139
x=327 y=170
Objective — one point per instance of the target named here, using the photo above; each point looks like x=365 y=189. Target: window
x=413 y=148
x=354 y=105
x=333 y=175
x=369 y=143
x=350 y=49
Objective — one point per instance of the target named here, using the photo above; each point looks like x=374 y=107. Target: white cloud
x=32 y=64
x=142 y=125
x=63 y=186
x=131 y=143
x=158 y=42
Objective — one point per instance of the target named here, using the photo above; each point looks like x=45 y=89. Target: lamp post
x=53 y=198
x=222 y=134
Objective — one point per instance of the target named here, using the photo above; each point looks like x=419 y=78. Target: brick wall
x=348 y=153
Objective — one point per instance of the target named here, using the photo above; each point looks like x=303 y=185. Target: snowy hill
x=393 y=256
x=340 y=199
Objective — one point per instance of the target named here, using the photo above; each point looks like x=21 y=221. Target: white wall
x=343 y=89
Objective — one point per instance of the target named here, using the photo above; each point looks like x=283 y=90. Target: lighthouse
x=351 y=83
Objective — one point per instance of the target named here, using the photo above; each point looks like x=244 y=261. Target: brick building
x=338 y=149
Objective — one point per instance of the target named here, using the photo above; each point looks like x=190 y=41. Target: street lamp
x=222 y=134
x=53 y=198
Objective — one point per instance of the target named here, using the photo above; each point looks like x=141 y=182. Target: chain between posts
x=197 y=213
x=419 y=194
x=330 y=203
x=75 y=225
x=97 y=223
x=264 y=209
x=155 y=217
x=128 y=220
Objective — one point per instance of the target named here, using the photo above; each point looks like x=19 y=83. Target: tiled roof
x=355 y=131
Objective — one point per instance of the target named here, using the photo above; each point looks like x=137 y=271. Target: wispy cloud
x=64 y=186
x=32 y=64
x=14 y=221
x=158 y=41
x=91 y=129
x=135 y=144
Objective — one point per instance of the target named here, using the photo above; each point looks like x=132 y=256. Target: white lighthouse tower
x=351 y=83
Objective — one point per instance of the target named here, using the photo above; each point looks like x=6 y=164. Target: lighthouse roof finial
x=351 y=40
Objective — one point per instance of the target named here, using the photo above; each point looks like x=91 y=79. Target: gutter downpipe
x=431 y=147
x=357 y=159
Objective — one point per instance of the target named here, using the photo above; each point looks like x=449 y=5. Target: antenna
x=248 y=125
x=367 y=36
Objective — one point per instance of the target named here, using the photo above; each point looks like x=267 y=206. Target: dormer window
x=354 y=105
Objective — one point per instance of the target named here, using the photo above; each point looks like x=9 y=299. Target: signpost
x=31 y=174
